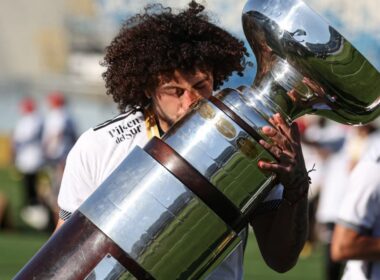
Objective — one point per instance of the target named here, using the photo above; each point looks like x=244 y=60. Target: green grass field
x=17 y=248
x=20 y=243
x=307 y=268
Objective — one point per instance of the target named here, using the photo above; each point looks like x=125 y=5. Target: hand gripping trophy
x=151 y=218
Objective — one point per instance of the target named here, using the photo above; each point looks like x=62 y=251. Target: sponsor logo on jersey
x=126 y=130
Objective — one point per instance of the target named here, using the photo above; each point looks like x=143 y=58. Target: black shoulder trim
x=64 y=215
x=115 y=119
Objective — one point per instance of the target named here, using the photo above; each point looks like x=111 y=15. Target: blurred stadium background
x=57 y=45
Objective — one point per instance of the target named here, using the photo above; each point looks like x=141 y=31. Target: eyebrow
x=202 y=80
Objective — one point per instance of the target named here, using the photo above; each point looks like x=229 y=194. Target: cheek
x=170 y=104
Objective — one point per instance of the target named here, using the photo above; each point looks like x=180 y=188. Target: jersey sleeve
x=359 y=209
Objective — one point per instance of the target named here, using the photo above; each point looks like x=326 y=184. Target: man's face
x=172 y=98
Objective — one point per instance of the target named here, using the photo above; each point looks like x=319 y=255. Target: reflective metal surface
x=223 y=153
x=305 y=66
x=253 y=111
x=156 y=220
x=108 y=268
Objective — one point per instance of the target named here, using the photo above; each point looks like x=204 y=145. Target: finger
x=268 y=131
x=273 y=167
x=275 y=135
x=273 y=149
x=283 y=157
x=282 y=125
x=264 y=165
x=291 y=134
x=278 y=138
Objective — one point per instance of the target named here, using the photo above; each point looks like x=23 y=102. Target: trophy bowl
x=305 y=66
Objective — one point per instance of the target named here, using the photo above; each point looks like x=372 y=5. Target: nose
x=190 y=97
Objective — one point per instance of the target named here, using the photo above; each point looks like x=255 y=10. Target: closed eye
x=200 y=86
x=173 y=91
x=179 y=92
x=203 y=83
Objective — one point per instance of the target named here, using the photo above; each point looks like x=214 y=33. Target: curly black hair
x=158 y=42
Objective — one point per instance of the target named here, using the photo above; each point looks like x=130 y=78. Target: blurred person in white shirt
x=335 y=187
x=356 y=237
x=27 y=149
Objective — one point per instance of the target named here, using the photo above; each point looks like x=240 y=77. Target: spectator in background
x=334 y=187
x=321 y=138
x=28 y=159
x=27 y=149
x=59 y=135
x=356 y=236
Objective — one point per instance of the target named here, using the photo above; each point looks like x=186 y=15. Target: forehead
x=180 y=76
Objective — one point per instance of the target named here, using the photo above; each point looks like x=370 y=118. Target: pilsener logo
x=125 y=131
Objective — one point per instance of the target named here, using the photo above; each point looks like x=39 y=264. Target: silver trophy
x=174 y=209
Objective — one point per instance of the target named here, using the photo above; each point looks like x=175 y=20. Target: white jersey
x=96 y=154
x=100 y=150
x=360 y=211
x=334 y=185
